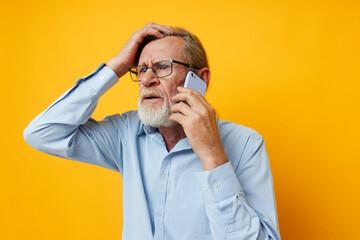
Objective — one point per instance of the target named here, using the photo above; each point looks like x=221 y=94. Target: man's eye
x=163 y=67
x=141 y=70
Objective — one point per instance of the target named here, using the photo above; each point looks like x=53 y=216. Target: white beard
x=155 y=116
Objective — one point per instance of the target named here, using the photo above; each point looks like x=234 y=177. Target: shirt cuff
x=218 y=184
x=102 y=79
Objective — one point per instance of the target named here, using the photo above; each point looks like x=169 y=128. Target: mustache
x=151 y=92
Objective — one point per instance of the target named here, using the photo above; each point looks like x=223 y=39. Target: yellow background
x=288 y=69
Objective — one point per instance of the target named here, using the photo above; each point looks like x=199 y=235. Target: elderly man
x=186 y=174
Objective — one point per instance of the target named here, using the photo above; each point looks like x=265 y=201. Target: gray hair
x=193 y=51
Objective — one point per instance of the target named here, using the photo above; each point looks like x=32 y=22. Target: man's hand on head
x=198 y=120
x=126 y=57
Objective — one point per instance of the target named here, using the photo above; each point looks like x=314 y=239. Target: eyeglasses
x=160 y=69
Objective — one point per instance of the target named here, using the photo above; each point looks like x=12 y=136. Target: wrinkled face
x=156 y=93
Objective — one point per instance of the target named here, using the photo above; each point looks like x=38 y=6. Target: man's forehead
x=162 y=49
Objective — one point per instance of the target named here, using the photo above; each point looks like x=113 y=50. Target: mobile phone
x=195 y=83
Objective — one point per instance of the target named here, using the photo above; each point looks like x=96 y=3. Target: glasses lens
x=141 y=70
x=162 y=69
x=134 y=74
x=137 y=72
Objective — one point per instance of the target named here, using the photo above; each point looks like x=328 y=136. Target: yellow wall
x=288 y=69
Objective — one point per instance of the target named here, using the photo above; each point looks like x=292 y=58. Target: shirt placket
x=162 y=191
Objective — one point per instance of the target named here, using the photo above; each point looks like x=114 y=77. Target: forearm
x=55 y=126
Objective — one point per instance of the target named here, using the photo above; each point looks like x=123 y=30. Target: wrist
x=214 y=160
x=118 y=67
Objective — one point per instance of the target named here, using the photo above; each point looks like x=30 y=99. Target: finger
x=162 y=28
x=192 y=98
x=184 y=97
x=182 y=108
x=182 y=89
x=146 y=31
x=177 y=118
x=197 y=104
x=188 y=90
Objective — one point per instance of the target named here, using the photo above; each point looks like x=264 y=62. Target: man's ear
x=204 y=74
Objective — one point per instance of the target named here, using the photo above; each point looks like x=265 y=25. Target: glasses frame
x=171 y=68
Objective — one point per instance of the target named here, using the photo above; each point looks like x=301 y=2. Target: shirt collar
x=182 y=145
x=147 y=129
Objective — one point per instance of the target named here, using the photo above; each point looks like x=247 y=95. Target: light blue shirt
x=166 y=194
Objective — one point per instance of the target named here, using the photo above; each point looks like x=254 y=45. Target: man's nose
x=149 y=79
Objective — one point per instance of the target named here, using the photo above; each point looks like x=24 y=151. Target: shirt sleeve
x=66 y=130
x=241 y=204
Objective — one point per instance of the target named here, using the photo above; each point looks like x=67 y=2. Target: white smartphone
x=195 y=83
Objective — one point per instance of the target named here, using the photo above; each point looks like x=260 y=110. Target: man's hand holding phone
x=198 y=119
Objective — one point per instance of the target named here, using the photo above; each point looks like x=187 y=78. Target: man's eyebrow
x=144 y=64
x=152 y=62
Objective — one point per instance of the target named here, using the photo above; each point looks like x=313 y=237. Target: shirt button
x=159 y=213
x=102 y=77
x=206 y=187
x=163 y=175
x=229 y=229
x=217 y=185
